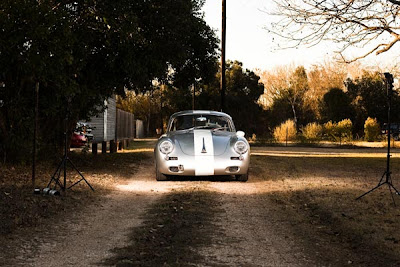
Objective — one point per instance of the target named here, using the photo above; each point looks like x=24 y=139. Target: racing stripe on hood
x=203 y=152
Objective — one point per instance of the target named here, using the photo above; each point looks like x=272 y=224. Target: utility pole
x=223 y=43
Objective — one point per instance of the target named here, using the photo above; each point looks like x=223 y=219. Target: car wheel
x=242 y=177
x=160 y=176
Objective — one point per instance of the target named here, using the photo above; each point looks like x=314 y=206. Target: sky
x=248 y=42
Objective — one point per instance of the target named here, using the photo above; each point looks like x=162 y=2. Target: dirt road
x=202 y=223
x=237 y=232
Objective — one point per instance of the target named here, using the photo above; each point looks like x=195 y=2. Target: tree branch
x=395 y=2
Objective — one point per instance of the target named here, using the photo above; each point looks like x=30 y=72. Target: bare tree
x=275 y=83
x=287 y=82
x=373 y=25
x=322 y=78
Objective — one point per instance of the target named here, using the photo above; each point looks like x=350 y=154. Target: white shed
x=104 y=123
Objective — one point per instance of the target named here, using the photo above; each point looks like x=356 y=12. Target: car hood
x=203 y=142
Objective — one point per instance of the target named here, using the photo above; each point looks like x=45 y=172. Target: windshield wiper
x=219 y=128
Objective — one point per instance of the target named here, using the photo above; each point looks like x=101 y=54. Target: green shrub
x=285 y=131
x=312 y=132
x=371 y=129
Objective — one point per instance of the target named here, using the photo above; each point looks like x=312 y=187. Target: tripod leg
x=376 y=187
x=83 y=178
x=58 y=177
x=394 y=188
x=383 y=175
x=373 y=189
x=391 y=194
x=54 y=175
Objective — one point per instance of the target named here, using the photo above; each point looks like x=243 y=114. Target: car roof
x=189 y=112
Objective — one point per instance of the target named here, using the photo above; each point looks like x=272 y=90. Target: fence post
x=104 y=147
x=94 y=148
x=113 y=146
x=287 y=134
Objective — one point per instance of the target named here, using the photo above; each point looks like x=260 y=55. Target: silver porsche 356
x=202 y=143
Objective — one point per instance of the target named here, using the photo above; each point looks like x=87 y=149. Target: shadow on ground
x=172 y=232
x=338 y=230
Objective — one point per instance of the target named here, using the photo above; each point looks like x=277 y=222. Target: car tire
x=242 y=177
x=160 y=176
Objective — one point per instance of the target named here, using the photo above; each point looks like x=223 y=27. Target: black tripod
x=386 y=177
x=63 y=166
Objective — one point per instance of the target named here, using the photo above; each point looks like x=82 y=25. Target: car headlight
x=166 y=147
x=240 y=147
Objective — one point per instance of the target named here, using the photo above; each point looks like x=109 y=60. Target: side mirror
x=240 y=133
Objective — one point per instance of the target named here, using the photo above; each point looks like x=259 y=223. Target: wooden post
x=113 y=146
x=94 y=148
x=104 y=147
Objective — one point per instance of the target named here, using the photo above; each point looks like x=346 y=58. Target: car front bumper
x=185 y=165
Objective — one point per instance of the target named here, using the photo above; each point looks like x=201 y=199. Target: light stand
x=386 y=177
x=63 y=166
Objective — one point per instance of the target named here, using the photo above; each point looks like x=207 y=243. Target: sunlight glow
x=321 y=154
x=136 y=150
x=152 y=187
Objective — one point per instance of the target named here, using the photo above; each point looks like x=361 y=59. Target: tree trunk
x=148 y=125
x=294 y=115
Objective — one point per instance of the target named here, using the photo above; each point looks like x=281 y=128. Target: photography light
x=387 y=175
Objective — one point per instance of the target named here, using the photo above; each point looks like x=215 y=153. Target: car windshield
x=201 y=121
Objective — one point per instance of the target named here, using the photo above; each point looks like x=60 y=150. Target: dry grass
x=318 y=195
x=21 y=208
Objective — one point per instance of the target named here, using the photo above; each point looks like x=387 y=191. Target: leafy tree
x=369 y=99
x=336 y=105
x=371 y=24
x=82 y=52
x=242 y=92
x=145 y=106
x=280 y=111
x=322 y=78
